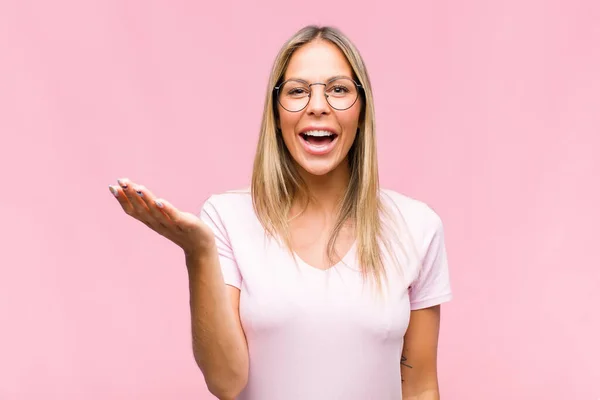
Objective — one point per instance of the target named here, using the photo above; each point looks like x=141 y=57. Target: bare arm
x=419 y=356
x=218 y=340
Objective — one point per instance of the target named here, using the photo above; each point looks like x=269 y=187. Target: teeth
x=318 y=133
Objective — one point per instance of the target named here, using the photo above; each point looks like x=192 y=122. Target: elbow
x=225 y=372
x=226 y=389
x=227 y=386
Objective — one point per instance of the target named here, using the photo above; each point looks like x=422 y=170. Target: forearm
x=218 y=342
x=426 y=395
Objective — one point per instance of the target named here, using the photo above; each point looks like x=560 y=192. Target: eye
x=297 y=91
x=294 y=89
x=338 y=90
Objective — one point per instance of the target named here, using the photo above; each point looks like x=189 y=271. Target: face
x=319 y=136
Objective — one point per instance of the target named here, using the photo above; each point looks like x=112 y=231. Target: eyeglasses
x=294 y=94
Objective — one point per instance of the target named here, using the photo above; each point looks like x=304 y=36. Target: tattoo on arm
x=403 y=362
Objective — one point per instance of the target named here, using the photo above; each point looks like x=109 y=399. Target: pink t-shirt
x=320 y=334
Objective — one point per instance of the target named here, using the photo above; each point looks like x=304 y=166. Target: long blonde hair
x=276 y=182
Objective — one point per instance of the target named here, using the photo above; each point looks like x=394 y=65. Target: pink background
x=487 y=110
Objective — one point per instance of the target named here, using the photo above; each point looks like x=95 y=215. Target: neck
x=325 y=191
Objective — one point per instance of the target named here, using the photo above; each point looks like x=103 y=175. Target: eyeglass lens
x=340 y=93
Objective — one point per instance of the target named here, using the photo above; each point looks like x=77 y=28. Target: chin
x=318 y=171
x=319 y=168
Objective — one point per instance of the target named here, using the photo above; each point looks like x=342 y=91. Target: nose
x=317 y=103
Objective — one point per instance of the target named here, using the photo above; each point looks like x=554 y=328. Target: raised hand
x=183 y=228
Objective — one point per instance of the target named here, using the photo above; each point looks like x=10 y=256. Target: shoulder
x=230 y=203
x=420 y=218
x=229 y=198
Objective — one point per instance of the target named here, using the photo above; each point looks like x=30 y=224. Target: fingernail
x=122 y=183
x=139 y=192
x=159 y=203
x=114 y=191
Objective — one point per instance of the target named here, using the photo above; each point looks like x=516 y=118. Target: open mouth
x=318 y=138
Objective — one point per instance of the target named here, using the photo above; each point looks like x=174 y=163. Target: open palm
x=182 y=228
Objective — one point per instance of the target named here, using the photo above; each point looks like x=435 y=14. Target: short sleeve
x=432 y=284
x=229 y=267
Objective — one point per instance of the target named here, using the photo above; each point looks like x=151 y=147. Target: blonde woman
x=315 y=283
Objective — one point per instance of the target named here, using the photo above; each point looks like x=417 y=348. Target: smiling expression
x=319 y=137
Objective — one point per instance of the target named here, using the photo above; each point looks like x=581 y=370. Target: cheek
x=287 y=123
x=350 y=121
x=287 y=120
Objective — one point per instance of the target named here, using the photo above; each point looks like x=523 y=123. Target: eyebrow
x=326 y=81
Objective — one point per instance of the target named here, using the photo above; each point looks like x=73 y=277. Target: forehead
x=318 y=61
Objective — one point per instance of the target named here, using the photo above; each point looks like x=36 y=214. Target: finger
x=154 y=210
x=121 y=198
x=138 y=204
x=167 y=208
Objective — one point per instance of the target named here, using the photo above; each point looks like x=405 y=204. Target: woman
x=315 y=283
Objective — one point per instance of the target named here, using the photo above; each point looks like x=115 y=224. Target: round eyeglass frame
x=359 y=89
